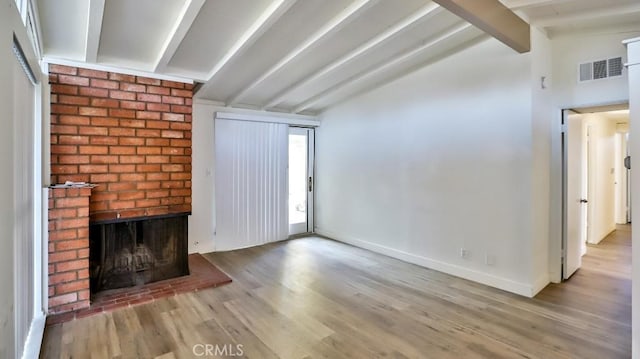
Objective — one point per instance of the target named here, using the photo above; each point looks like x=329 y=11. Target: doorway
x=301 y=179
x=596 y=198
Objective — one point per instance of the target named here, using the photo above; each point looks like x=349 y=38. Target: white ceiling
x=557 y=16
x=298 y=56
x=620 y=116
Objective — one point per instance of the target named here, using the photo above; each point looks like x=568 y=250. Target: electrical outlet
x=489 y=259
x=464 y=253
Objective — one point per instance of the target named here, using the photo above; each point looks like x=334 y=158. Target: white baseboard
x=34 y=339
x=466 y=273
x=210 y=246
x=204 y=247
x=608 y=233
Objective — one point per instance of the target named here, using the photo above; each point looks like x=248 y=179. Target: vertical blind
x=24 y=197
x=251 y=160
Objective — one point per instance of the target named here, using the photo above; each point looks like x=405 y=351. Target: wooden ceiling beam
x=94 y=29
x=492 y=17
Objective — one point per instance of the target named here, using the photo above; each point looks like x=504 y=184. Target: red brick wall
x=130 y=135
x=68 y=249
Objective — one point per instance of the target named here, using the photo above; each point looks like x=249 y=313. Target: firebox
x=126 y=253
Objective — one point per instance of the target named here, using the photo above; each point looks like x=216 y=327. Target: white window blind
x=24 y=196
x=250 y=183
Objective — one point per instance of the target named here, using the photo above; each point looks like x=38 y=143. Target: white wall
x=202 y=222
x=573 y=48
x=621 y=173
x=7 y=320
x=202 y=219
x=434 y=162
x=602 y=179
x=568 y=50
x=541 y=125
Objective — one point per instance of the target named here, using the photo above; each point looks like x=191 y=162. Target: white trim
x=633 y=55
x=205 y=246
x=266 y=118
x=257 y=29
x=296 y=229
x=40 y=248
x=35 y=19
x=28 y=50
x=44 y=255
x=396 y=29
x=394 y=61
x=94 y=28
x=35 y=337
x=525 y=4
x=187 y=16
x=22 y=7
x=523 y=289
x=629 y=41
x=333 y=25
x=251 y=245
x=121 y=70
x=217 y=106
x=311 y=172
x=206 y=102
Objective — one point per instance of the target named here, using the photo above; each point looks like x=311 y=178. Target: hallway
x=601 y=289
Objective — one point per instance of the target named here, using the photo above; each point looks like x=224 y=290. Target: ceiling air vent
x=600 y=69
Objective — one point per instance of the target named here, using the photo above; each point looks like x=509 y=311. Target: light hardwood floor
x=316 y=298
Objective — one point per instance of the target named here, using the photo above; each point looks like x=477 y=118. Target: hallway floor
x=602 y=286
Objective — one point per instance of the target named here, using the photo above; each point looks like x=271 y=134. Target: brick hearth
x=203 y=275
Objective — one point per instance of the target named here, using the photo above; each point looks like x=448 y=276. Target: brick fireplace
x=130 y=136
x=68 y=249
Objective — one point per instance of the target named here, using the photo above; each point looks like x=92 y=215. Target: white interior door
x=575 y=201
x=301 y=153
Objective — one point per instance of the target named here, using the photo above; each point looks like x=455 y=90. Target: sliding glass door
x=301 y=145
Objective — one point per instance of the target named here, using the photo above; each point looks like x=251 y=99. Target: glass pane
x=297 y=179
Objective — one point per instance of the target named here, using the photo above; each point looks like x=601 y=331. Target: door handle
x=310 y=184
x=583 y=201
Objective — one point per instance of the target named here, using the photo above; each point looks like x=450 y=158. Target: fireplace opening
x=132 y=252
